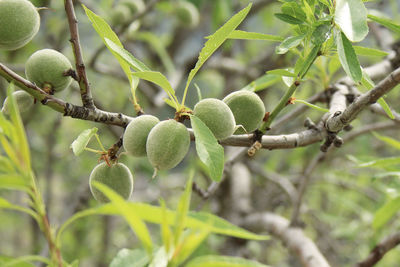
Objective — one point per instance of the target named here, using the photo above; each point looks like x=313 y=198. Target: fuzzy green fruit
x=19 y=23
x=187 y=14
x=248 y=109
x=217 y=116
x=117 y=177
x=46 y=68
x=167 y=144
x=135 y=6
x=23 y=99
x=136 y=133
x=120 y=14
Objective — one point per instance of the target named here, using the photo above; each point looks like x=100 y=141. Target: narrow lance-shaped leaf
x=289 y=43
x=80 y=143
x=289 y=19
x=132 y=258
x=209 y=151
x=351 y=17
x=386 y=212
x=369 y=52
x=243 y=35
x=388 y=23
x=222 y=261
x=348 y=57
x=215 y=41
x=134 y=221
x=388 y=140
x=183 y=209
x=367 y=82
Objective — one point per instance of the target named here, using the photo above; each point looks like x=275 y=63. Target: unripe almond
x=217 y=116
x=187 y=14
x=47 y=68
x=19 y=23
x=136 y=134
x=23 y=99
x=118 y=177
x=167 y=144
x=248 y=109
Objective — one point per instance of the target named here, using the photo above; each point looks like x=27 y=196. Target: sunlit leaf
x=386 y=212
x=382 y=162
x=81 y=142
x=348 y=57
x=209 y=151
x=131 y=258
x=351 y=17
x=388 y=140
x=222 y=261
x=369 y=52
x=289 y=43
x=243 y=35
x=388 y=23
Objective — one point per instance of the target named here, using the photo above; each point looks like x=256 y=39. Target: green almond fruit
x=167 y=144
x=217 y=116
x=19 y=23
x=24 y=102
x=187 y=14
x=118 y=177
x=247 y=108
x=136 y=133
x=46 y=68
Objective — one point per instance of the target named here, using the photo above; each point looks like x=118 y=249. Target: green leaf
x=134 y=221
x=321 y=34
x=312 y=105
x=154 y=214
x=80 y=143
x=282 y=72
x=215 y=41
x=388 y=140
x=159 y=79
x=20 y=141
x=127 y=57
x=6 y=261
x=369 y=52
x=183 y=209
x=4 y=204
x=189 y=244
x=23 y=261
x=222 y=261
x=263 y=82
x=367 y=82
x=388 y=23
x=243 y=35
x=209 y=151
x=131 y=258
x=351 y=17
x=348 y=57
x=386 y=212
x=166 y=233
x=309 y=60
x=105 y=32
x=14 y=181
x=289 y=43
x=385 y=162
x=160 y=258
x=289 y=19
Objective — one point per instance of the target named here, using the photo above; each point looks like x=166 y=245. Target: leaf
x=215 y=41
x=159 y=79
x=105 y=32
x=388 y=23
x=282 y=72
x=386 y=212
x=289 y=19
x=4 y=204
x=209 y=151
x=309 y=60
x=385 y=162
x=160 y=258
x=321 y=34
x=4 y=261
x=14 y=181
x=263 y=82
x=222 y=261
x=388 y=140
x=81 y=142
x=312 y=105
x=135 y=63
x=243 y=35
x=134 y=221
x=183 y=209
x=351 y=17
x=348 y=57
x=367 y=82
x=369 y=52
x=131 y=258
x=289 y=43
x=154 y=214
x=23 y=261
x=189 y=244
x=166 y=233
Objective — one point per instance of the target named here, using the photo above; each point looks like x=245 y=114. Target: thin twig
x=84 y=85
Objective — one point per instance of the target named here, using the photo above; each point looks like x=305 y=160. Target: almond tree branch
x=292 y=237
x=84 y=85
x=380 y=250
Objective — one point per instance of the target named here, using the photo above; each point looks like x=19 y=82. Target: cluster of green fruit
x=167 y=142
x=47 y=68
